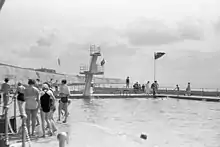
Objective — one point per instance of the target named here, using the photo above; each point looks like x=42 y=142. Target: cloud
x=190 y=29
x=42 y=49
x=143 y=32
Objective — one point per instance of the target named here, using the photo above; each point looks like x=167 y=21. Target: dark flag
x=1 y=3
x=102 y=62
x=157 y=55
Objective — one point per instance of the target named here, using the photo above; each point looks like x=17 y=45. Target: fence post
x=202 y=92
x=6 y=124
x=217 y=93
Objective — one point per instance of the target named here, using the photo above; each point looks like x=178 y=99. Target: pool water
x=120 y=122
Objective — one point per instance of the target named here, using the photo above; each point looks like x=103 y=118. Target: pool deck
x=117 y=96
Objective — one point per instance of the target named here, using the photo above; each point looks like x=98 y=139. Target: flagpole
x=154 y=68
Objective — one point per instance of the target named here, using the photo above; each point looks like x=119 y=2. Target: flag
x=58 y=61
x=1 y=3
x=102 y=62
x=157 y=55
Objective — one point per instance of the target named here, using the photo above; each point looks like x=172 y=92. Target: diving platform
x=93 y=69
x=98 y=70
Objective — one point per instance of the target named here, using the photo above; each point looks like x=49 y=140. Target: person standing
x=38 y=85
x=56 y=92
x=188 y=89
x=154 y=88
x=143 y=88
x=32 y=105
x=64 y=94
x=148 y=88
x=157 y=86
x=177 y=89
x=5 y=89
x=127 y=82
x=20 y=98
x=47 y=101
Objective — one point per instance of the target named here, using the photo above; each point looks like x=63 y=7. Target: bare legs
x=31 y=116
x=21 y=107
x=52 y=121
x=37 y=120
x=45 y=117
x=60 y=107
x=65 y=107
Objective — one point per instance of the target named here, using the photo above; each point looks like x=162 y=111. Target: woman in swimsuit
x=52 y=108
x=20 y=98
x=31 y=96
x=46 y=101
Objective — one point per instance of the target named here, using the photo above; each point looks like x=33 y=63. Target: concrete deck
x=198 y=98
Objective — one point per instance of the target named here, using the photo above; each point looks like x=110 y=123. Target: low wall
x=202 y=92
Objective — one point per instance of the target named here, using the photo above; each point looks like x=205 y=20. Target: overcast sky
x=33 y=33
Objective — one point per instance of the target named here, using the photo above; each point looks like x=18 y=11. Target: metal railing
x=84 y=68
x=95 y=50
x=194 y=91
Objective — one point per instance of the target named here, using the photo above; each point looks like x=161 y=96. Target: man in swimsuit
x=5 y=89
x=64 y=93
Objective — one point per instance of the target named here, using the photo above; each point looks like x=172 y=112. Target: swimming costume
x=45 y=102
x=20 y=97
x=64 y=99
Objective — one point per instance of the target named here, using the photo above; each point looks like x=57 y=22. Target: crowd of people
x=38 y=100
x=146 y=88
x=153 y=88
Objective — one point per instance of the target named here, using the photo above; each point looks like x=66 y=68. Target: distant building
x=46 y=70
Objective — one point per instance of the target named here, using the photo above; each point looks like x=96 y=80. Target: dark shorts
x=53 y=108
x=64 y=99
x=45 y=108
x=20 y=97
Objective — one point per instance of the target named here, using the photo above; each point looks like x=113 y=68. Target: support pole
x=154 y=68
x=23 y=131
x=6 y=124
x=15 y=115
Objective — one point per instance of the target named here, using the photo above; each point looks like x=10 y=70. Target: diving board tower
x=93 y=69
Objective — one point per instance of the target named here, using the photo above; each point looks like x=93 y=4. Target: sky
x=34 y=33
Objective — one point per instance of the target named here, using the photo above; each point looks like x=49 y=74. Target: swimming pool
x=120 y=122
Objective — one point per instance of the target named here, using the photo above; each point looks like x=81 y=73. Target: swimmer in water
x=63 y=138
